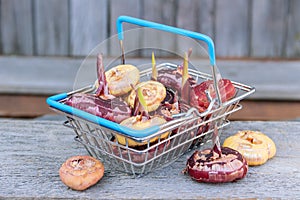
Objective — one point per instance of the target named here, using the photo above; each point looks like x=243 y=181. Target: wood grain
x=268 y=110
x=232 y=31
x=206 y=17
x=16 y=27
x=268 y=28
x=51 y=27
x=164 y=43
x=33 y=151
x=257 y=29
x=132 y=36
x=22 y=106
x=293 y=31
x=88 y=26
x=187 y=18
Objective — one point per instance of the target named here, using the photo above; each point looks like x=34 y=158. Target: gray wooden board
x=273 y=80
x=187 y=18
x=32 y=152
x=232 y=31
x=51 y=27
x=206 y=17
x=293 y=30
x=131 y=35
x=205 y=21
x=37 y=75
x=268 y=28
x=88 y=26
x=160 y=12
x=258 y=28
x=16 y=27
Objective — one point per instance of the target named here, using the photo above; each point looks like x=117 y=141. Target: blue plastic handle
x=53 y=101
x=166 y=28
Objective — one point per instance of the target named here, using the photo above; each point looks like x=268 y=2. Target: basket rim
x=56 y=103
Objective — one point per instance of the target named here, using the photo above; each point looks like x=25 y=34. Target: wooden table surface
x=33 y=150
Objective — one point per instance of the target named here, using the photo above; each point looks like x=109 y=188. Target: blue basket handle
x=166 y=28
x=178 y=31
x=53 y=101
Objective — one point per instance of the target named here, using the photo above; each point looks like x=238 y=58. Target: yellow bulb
x=255 y=146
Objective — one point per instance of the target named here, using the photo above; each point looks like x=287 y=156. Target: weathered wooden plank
x=268 y=28
x=23 y=106
x=187 y=15
x=187 y=18
x=232 y=28
x=1 y=45
x=51 y=27
x=88 y=26
x=32 y=27
x=33 y=151
x=293 y=31
x=206 y=22
x=40 y=75
x=161 y=12
x=206 y=17
x=16 y=27
x=268 y=110
x=196 y=16
x=131 y=33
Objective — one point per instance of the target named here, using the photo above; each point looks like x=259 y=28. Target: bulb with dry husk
x=173 y=104
x=216 y=165
x=139 y=123
x=177 y=79
x=199 y=97
x=255 y=146
x=141 y=120
x=81 y=172
x=120 y=79
x=153 y=92
x=102 y=104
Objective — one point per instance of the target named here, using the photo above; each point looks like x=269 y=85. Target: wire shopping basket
x=186 y=131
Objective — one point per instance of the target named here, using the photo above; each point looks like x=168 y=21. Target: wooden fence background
x=239 y=28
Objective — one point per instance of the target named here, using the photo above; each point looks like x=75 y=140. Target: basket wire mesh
x=186 y=132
